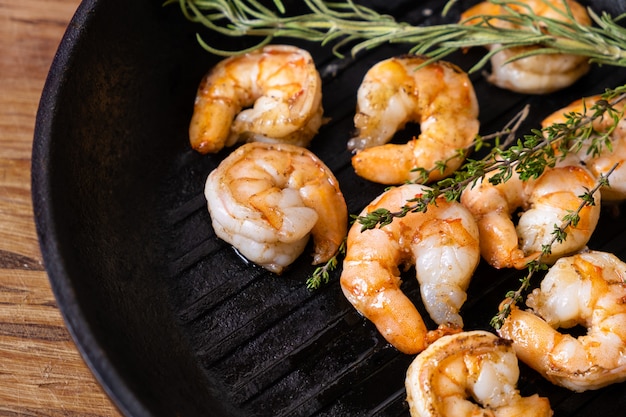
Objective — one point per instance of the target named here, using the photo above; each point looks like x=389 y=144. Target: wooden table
x=41 y=371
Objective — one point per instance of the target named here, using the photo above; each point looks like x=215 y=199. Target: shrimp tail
x=442 y=330
x=394 y=315
x=209 y=128
x=367 y=163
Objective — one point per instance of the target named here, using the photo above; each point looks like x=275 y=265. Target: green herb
x=558 y=235
x=321 y=274
x=347 y=24
x=452 y=187
x=528 y=156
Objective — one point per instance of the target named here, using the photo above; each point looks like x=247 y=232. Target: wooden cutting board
x=41 y=371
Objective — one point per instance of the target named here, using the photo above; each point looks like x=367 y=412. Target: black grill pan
x=172 y=321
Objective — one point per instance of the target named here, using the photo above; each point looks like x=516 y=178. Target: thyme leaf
x=559 y=234
x=321 y=274
x=528 y=157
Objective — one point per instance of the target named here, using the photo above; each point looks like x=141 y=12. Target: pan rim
x=108 y=377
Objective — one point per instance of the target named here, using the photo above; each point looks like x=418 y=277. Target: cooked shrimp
x=442 y=243
x=539 y=74
x=587 y=289
x=602 y=163
x=439 y=96
x=266 y=199
x=545 y=202
x=279 y=81
x=469 y=374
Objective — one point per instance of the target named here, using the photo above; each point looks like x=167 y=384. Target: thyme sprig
x=347 y=24
x=321 y=274
x=508 y=132
x=528 y=157
x=559 y=234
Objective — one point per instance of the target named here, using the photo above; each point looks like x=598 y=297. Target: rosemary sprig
x=346 y=23
x=558 y=235
x=528 y=157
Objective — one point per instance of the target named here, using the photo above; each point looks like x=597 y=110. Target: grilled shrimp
x=266 y=199
x=587 y=289
x=442 y=243
x=545 y=202
x=469 y=374
x=601 y=163
x=439 y=96
x=539 y=74
x=281 y=84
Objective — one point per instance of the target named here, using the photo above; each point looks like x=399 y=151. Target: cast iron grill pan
x=171 y=319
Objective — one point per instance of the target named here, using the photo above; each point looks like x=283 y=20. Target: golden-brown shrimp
x=539 y=74
x=602 y=163
x=439 y=96
x=442 y=243
x=469 y=374
x=279 y=81
x=266 y=199
x=587 y=289
x=545 y=202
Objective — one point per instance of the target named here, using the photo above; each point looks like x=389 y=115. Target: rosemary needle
x=346 y=23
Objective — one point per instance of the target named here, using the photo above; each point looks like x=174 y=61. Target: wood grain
x=41 y=371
